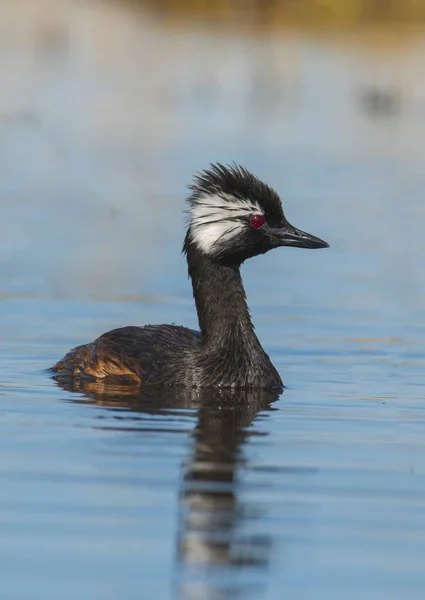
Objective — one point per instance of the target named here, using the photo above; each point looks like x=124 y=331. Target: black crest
x=234 y=180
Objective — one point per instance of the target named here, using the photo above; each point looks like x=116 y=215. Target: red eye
x=257 y=221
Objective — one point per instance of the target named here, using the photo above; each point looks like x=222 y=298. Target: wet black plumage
x=232 y=216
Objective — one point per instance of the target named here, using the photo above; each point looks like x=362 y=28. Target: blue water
x=319 y=493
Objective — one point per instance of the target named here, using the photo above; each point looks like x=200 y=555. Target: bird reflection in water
x=215 y=521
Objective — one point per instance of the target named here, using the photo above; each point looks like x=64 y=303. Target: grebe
x=232 y=216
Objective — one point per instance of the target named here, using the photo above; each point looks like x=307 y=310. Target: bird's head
x=232 y=216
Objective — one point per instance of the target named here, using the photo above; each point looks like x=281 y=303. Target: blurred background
x=107 y=108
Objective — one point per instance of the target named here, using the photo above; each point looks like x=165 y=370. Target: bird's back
x=150 y=354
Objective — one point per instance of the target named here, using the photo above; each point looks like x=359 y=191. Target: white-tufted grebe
x=232 y=216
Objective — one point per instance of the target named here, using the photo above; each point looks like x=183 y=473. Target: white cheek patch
x=216 y=219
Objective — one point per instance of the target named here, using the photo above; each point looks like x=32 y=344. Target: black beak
x=290 y=236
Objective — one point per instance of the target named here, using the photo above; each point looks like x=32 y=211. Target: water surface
x=319 y=493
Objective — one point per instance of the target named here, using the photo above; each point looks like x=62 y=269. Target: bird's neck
x=220 y=299
x=231 y=354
